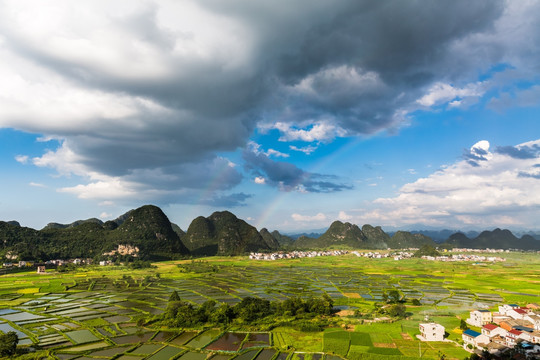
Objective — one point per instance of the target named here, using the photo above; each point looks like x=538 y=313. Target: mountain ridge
x=149 y=230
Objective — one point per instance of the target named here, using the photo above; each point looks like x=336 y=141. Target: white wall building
x=480 y=318
x=431 y=332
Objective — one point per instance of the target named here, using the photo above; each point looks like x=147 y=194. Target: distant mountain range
x=149 y=231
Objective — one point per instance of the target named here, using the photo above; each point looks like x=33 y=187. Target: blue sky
x=289 y=114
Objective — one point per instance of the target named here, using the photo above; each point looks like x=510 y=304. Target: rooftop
x=490 y=327
x=472 y=333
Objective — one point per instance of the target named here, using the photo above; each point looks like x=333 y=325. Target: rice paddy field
x=93 y=312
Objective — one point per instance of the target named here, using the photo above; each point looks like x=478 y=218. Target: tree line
x=249 y=311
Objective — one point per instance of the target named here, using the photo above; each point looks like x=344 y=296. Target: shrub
x=8 y=343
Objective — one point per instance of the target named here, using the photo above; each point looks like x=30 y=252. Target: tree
x=426 y=250
x=394 y=296
x=396 y=310
x=205 y=311
x=174 y=296
x=8 y=343
x=250 y=309
x=463 y=325
x=222 y=315
x=293 y=306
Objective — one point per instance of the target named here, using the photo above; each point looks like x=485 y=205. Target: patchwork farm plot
x=95 y=312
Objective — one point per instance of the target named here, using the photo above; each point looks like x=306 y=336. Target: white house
x=518 y=313
x=431 y=332
x=491 y=330
x=534 y=319
x=512 y=337
x=480 y=318
x=535 y=337
x=474 y=338
x=504 y=309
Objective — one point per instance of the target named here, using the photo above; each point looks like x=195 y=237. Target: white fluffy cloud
x=309 y=218
x=305 y=149
x=23 y=159
x=441 y=93
x=487 y=187
x=105 y=215
x=318 y=132
x=343 y=216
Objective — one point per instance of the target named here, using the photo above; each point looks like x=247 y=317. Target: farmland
x=101 y=312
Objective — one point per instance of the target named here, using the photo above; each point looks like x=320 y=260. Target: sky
x=290 y=114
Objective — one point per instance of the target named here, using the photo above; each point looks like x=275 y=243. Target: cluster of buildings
x=124 y=250
x=49 y=263
x=461 y=250
x=295 y=254
x=371 y=254
x=401 y=255
x=465 y=257
x=504 y=329
x=499 y=331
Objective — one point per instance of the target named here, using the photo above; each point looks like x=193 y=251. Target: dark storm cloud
x=288 y=177
x=213 y=174
x=356 y=64
x=405 y=43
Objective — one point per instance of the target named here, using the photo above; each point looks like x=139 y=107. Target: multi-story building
x=431 y=332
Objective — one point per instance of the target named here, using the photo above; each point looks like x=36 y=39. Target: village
x=464 y=257
x=496 y=332
x=397 y=255
x=295 y=254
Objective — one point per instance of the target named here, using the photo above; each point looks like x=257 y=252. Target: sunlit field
x=96 y=312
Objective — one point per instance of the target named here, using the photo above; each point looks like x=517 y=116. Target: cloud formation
x=309 y=218
x=143 y=96
x=286 y=176
x=496 y=188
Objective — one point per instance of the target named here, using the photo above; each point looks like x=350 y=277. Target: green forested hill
x=341 y=234
x=404 y=239
x=369 y=237
x=222 y=233
x=146 y=228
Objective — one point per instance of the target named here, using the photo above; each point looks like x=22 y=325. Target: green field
x=93 y=312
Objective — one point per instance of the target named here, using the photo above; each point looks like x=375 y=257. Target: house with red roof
x=504 y=309
x=518 y=313
x=491 y=330
x=512 y=337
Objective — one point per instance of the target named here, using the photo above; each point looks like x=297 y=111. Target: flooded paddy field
x=96 y=314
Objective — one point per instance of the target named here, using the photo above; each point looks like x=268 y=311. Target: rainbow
x=271 y=208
